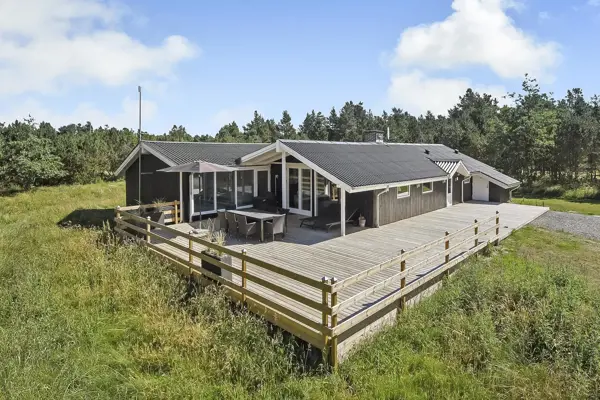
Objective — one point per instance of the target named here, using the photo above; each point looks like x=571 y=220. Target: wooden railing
x=400 y=261
x=143 y=230
x=173 y=215
x=323 y=334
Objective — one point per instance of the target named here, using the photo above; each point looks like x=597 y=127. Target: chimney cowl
x=456 y=151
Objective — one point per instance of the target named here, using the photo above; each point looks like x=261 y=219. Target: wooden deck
x=317 y=254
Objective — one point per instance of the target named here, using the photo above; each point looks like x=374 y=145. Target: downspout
x=387 y=189
x=510 y=192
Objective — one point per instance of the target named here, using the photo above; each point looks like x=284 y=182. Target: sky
x=202 y=64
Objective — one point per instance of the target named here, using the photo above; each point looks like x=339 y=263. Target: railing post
x=324 y=319
x=333 y=354
x=497 y=228
x=148 y=230
x=244 y=267
x=476 y=233
x=402 y=280
x=190 y=255
x=176 y=205
x=447 y=247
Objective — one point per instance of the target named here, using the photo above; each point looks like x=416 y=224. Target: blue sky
x=203 y=64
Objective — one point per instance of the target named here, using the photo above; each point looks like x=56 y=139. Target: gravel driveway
x=583 y=225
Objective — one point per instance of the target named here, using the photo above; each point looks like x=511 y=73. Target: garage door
x=481 y=189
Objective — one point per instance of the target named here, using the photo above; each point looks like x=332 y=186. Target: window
x=427 y=187
x=245 y=187
x=225 y=191
x=402 y=191
x=467 y=181
x=203 y=191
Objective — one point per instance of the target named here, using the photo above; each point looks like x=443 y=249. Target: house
x=384 y=182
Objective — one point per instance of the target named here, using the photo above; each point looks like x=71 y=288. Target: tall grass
x=84 y=317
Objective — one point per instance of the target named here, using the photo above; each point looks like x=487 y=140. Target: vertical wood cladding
x=155 y=185
x=392 y=209
x=498 y=194
x=363 y=201
x=468 y=190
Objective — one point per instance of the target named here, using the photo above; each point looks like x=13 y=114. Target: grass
x=83 y=318
x=589 y=207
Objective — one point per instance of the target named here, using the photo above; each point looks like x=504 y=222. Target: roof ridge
x=359 y=143
x=188 y=142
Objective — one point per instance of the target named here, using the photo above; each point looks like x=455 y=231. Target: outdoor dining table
x=258 y=215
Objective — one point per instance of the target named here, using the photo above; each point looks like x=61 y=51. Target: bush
x=583 y=193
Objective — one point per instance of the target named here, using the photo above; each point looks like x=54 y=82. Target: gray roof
x=439 y=152
x=218 y=153
x=366 y=164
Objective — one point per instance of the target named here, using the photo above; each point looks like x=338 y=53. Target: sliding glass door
x=299 y=190
x=203 y=192
x=214 y=191
x=225 y=191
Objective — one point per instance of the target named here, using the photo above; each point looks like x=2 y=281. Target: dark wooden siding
x=456 y=188
x=155 y=185
x=392 y=209
x=460 y=191
x=498 y=194
x=363 y=201
x=468 y=190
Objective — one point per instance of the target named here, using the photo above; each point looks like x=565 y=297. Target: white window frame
x=423 y=187
x=300 y=168
x=194 y=213
x=404 y=194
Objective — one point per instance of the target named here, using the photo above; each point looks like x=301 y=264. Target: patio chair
x=246 y=228
x=277 y=227
x=232 y=223
x=284 y=211
x=221 y=221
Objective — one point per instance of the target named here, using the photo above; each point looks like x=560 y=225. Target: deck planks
x=317 y=253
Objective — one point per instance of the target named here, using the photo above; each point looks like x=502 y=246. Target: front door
x=481 y=189
x=299 y=190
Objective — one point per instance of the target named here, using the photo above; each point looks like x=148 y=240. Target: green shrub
x=583 y=193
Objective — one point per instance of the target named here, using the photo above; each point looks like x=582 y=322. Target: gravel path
x=583 y=225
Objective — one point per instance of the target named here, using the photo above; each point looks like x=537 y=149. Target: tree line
x=536 y=138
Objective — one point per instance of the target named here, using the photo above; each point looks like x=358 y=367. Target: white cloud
x=417 y=93
x=126 y=117
x=477 y=33
x=52 y=44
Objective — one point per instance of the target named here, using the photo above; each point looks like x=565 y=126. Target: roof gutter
x=387 y=189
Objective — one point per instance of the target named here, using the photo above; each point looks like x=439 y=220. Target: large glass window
x=204 y=191
x=293 y=188
x=225 y=191
x=263 y=183
x=245 y=188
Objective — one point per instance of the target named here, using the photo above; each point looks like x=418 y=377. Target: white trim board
x=145 y=150
x=494 y=181
x=282 y=147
